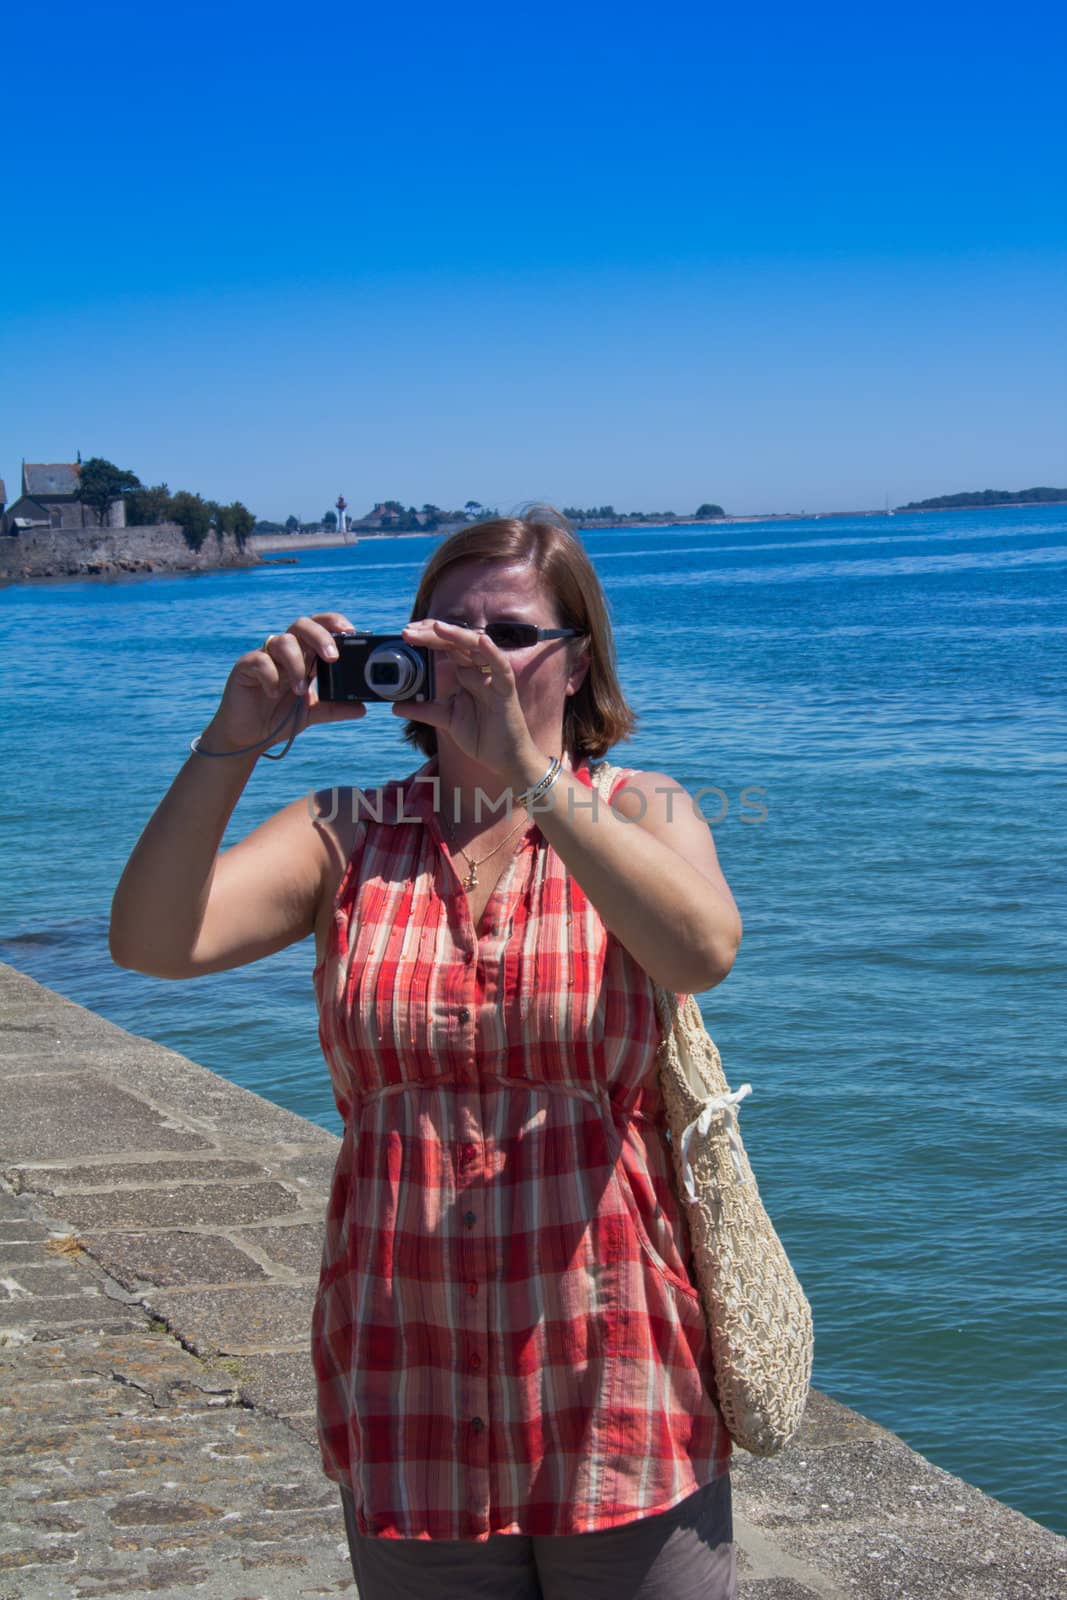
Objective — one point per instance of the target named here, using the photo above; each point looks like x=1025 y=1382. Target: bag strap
x=604 y=778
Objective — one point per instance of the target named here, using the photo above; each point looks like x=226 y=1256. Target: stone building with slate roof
x=49 y=501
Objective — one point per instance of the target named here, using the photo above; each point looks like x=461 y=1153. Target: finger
x=316 y=635
x=463 y=647
x=492 y=653
x=258 y=669
x=440 y=635
x=285 y=652
x=475 y=677
x=488 y=655
x=313 y=642
x=336 y=711
x=316 y=638
x=334 y=621
x=312 y=639
x=433 y=712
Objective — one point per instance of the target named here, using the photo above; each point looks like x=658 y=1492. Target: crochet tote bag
x=758 y=1319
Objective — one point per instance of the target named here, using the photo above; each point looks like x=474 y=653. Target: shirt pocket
x=642 y=1178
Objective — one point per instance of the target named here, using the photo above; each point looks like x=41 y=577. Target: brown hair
x=596 y=716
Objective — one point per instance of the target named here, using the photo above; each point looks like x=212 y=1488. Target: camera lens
x=394 y=671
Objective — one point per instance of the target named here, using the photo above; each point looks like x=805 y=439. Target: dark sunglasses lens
x=512 y=635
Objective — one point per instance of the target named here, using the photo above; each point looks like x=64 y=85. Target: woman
x=515 y=1391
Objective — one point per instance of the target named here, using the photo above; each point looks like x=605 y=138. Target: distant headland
x=76 y=519
x=978 y=499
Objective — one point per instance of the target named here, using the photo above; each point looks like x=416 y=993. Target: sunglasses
x=520 y=635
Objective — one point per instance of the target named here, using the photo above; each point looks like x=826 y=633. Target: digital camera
x=378 y=666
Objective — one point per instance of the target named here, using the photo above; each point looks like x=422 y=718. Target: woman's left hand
x=477 y=702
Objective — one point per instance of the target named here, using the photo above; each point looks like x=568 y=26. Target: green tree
x=708 y=510
x=329 y=519
x=147 y=507
x=292 y=524
x=193 y=516
x=100 y=482
x=242 y=523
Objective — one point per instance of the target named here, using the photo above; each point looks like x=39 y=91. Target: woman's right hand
x=265 y=683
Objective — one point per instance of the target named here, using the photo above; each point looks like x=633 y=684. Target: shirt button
x=469 y=1219
x=472 y=1289
x=464 y=1014
x=476 y=1362
x=470 y=1153
x=477 y=1424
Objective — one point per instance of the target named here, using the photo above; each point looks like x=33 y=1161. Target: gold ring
x=266 y=643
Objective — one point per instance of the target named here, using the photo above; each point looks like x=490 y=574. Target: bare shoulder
x=291 y=840
x=317 y=835
x=268 y=890
x=657 y=802
x=304 y=843
x=650 y=795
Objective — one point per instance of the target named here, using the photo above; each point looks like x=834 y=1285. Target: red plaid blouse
x=506 y=1337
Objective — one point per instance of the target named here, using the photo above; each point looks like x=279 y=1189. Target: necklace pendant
x=472 y=877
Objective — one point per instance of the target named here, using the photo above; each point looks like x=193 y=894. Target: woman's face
x=475 y=593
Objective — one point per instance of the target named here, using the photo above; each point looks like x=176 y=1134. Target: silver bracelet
x=545 y=784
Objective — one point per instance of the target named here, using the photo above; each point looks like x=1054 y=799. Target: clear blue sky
x=779 y=257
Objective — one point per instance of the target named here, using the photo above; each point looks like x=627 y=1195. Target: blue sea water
x=881 y=704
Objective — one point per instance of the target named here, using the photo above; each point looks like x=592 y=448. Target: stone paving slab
x=281 y=1382
x=82 y=1114
x=297 y=1247
x=48 y=1318
x=34 y=1280
x=22 y=1228
x=236 y=1319
x=38 y=1178
x=157 y=1433
x=172 y=1259
x=227 y=1205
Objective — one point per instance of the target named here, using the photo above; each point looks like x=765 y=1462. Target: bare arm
x=181 y=908
x=655 y=879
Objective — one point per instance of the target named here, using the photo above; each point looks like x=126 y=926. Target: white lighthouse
x=342 y=520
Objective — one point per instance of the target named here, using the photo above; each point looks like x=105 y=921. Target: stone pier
x=160 y=1233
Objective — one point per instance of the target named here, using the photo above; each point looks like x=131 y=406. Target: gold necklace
x=471 y=880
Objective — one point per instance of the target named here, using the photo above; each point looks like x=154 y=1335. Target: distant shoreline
x=268 y=542
x=819 y=516
x=999 y=505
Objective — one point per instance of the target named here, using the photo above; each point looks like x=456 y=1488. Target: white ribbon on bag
x=727 y=1104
